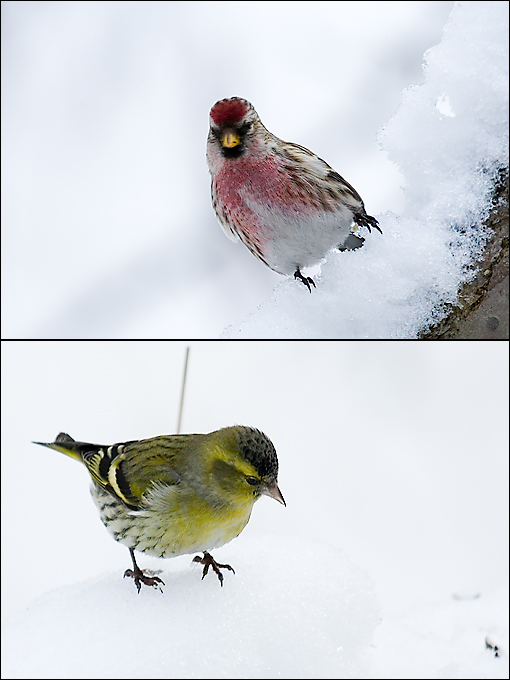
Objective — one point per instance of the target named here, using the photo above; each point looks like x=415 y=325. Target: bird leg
x=139 y=576
x=305 y=279
x=209 y=561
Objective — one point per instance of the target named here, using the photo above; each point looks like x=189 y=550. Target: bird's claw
x=305 y=279
x=364 y=220
x=208 y=561
x=139 y=577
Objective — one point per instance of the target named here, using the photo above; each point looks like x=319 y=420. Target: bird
x=287 y=205
x=178 y=494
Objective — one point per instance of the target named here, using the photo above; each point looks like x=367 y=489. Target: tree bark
x=481 y=312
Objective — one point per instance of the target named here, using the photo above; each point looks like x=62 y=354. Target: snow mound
x=291 y=610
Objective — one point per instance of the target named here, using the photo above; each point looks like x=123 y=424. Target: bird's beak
x=230 y=139
x=273 y=491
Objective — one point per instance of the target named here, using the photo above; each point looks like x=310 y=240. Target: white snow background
x=389 y=561
x=107 y=227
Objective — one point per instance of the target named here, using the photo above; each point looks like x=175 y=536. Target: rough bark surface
x=481 y=312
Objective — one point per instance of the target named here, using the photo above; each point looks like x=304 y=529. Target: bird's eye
x=246 y=127
x=253 y=481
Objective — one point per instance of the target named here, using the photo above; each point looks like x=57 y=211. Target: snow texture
x=449 y=138
x=197 y=629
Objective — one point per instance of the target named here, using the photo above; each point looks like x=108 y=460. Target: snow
x=449 y=138
x=389 y=561
x=198 y=629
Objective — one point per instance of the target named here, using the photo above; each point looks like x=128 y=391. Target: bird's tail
x=65 y=444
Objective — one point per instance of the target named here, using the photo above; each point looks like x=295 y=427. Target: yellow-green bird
x=178 y=494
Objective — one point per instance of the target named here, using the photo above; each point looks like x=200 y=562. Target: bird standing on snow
x=178 y=494
x=287 y=205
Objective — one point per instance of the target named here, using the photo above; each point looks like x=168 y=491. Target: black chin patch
x=234 y=152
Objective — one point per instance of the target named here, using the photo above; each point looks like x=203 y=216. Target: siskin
x=178 y=494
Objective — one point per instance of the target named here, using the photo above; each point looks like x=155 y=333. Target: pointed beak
x=273 y=491
x=230 y=139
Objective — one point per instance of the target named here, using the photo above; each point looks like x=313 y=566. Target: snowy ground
x=389 y=561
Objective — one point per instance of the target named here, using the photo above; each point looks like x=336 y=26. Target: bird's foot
x=364 y=220
x=139 y=576
x=209 y=561
x=305 y=279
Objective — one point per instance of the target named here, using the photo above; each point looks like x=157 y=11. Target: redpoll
x=287 y=205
